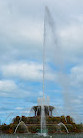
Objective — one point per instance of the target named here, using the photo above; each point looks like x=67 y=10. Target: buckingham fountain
x=43 y=121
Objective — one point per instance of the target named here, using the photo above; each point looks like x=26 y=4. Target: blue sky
x=21 y=47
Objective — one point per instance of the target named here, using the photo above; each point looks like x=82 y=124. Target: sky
x=21 y=57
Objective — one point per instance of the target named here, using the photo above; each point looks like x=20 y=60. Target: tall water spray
x=48 y=17
x=43 y=120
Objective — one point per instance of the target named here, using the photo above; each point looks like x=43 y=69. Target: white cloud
x=70 y=43
x=18 y=27
x=72 y=36
x=27 y=71
x=77 y=76
x=9 y=88
x=7 y=85
x=18 y=108
x=23 y=33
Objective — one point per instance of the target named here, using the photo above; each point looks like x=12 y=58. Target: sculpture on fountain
x=48 y=109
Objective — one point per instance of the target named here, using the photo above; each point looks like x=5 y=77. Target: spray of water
x=47 y=18
x=21 y=123
x=56 y=53
x=43 y=120
x=61 y=124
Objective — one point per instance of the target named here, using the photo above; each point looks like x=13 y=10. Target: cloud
x=71 y=37
x=77 y=76
x=22 y=36
x=27 y=71
x=9 y=88
x=7 y=85
x=18 y=108
x=18 y=27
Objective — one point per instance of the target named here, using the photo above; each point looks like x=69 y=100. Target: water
x=36 y=136
x=64 y=126
x=22 y=124
x=43 y=119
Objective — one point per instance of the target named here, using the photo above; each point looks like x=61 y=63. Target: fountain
x=43 y=117
x=61 y=124
x=44 y=109
x=23 y=126
x=43 y=113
